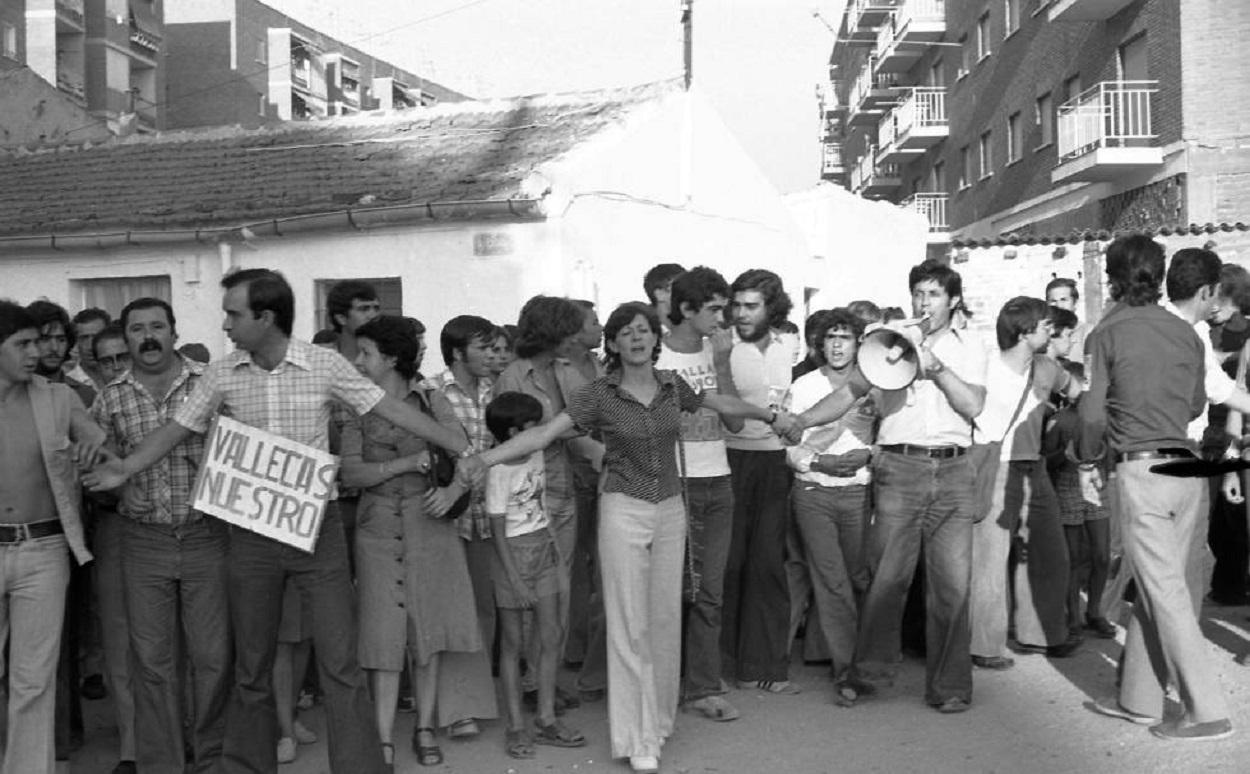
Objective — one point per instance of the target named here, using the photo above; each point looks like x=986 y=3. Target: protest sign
x=265 y=483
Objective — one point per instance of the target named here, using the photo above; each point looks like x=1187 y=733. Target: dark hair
x=946 y=278
x=92 y=313
x=623 y=316
x=1135 y=269
x=1191 y=270
x=768 y=284
x=1063 y=282
x=812 y=324
x=418 y=327
x=866 y=311
x=14 y=318
x=460 y=331
x=546 y=321
x=267 y=291
x=1075 y=369
x=1019 y=316
x=196 y=351
x=1062 y=319
x=658 y=276
x=831 y=320
x=695 y=287
x=1235 y=285
x=326 y=336
x=891 y=313
x=511 y=410
x=113 y=330
x=508 y=332
x=393 y=337
x=147 y=303
x=339 y=299
x=584 y=304
x=46 y=313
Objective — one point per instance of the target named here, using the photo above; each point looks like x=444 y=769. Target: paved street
x=1029 y=719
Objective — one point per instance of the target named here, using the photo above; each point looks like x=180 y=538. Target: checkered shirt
x=474 y=524
x=293 y=400
x=128 y=413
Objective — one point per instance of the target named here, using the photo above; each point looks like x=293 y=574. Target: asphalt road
x=1029 y=719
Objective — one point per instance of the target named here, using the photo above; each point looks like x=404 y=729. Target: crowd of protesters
x=664 y=504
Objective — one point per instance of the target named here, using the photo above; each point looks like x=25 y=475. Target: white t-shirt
x=762 y=378
x=701 y=432
x=855 y=430
x=1003 y=387
x=515 y=490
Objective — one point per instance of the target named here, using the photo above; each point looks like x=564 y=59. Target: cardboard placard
x=265 y=483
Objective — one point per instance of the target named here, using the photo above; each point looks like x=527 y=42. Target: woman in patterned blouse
x=642 y=520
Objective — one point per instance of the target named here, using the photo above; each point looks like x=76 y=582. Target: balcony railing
x=1084 y=10
x=1112 y=114
x=70 y=11
x=918 y=122
x=144 y=40
x=831 y=162
x=933 y=207
x=870 y=178
x=923 y=108
x=902 y=40
x=866 y=14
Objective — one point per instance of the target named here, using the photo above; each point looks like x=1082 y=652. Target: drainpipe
x=225 y=254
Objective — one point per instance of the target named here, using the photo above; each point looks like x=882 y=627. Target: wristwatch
x=938 y=366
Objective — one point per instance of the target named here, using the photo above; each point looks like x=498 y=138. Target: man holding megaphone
x=923 y=483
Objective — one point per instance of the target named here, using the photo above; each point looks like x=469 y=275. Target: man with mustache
x=172 y=557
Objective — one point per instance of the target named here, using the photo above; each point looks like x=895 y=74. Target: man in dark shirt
x=1146 y=385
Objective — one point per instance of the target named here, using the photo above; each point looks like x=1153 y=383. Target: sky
x=757 y=60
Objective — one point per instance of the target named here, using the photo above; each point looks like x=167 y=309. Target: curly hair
x=832 y=320
x=622 y=317
x=394 y=338
x=546 y=321
x=695 y=287
x=767 y=284
x=1135 y=270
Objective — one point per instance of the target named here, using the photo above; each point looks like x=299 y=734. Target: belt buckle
x=23 y=533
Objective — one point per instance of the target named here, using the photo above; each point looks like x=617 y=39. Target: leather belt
x=932 y=452
x=18 y=533
x=1154 y=454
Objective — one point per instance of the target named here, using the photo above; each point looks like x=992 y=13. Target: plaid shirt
x=129 y=413
x=293 y=400
x=474 y=524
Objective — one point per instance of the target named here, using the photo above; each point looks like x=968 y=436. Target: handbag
x=442 y=466
x=984 y=458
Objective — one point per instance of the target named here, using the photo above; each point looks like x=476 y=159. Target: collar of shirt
x=666 y=379
x=447 y=381
x=189 y=368
x=295 y=355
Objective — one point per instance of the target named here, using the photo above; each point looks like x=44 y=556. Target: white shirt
x=515 y=491
x=854 y=430
x=702 y=434
x=1219 y=385
x=921 y=413
x=762 y=378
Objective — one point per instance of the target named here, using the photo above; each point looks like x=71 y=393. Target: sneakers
x=780 y=687
x=1187 y=731
x=304 y=734
x=997 y=663
x=644 y=764
x=1112 y=709
x=713 y=708
x=286 y=750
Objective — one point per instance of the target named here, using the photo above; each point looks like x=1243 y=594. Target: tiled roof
x=1090 y=235
x=464 y=151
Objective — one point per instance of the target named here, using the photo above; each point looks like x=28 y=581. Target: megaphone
x=888 y=359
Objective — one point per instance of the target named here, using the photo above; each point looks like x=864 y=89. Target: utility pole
x=687 y=28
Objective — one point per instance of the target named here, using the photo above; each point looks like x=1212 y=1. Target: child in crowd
x=527 y=575
x=1085 y=525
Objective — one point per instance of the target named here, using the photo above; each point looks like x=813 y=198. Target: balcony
x=831 y=160
x=870 y=179
x=915 y=24
x=866 y=15
x=143 y=40
x=1085 y=10
x=917 y=124
x=69 y=16
x=870 y=94
x=933 y=207
x=1106 y=132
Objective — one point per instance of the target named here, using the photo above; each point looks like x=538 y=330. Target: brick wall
x=1214 y=71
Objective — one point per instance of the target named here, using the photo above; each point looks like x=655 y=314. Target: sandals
x=713 y=708
x=519 y=744
x=427 y=754
x=556 y=734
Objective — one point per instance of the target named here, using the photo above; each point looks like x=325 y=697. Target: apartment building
x=1045 y=117
x=242 y=62
x=103 y=55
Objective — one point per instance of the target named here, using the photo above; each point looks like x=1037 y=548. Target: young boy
x=527 y=574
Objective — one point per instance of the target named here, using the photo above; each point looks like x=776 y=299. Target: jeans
x=34 y=575
x=921 y=504
x=1025 y=507
x=258 y=570
x=110 y=590
x=1166 y=551
x=710 y=511
x=831 y=522
x=177 y=574
x=641 y=546
x=755 y=624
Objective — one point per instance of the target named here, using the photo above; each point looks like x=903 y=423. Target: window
x=937 y=74
x=985 y=161
x=1011 y=16
x=263 y=108
x=8 y=40
x=1071 y=89
x=1132 y=60
x=937 y=177
x=262 y=52
x=969 y=56
x=113 y=293
x=1015 y=137
x=1045 y=118
x=390 y=298
x=983 y=36
x=965 y=167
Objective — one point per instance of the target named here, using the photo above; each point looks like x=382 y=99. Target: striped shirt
x=640 y=442
x=129 y=413
x=474 y=524
x=293 y=400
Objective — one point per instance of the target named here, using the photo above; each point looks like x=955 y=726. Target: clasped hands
x=789 y=427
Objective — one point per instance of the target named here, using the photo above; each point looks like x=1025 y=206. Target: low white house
x=470 y=207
